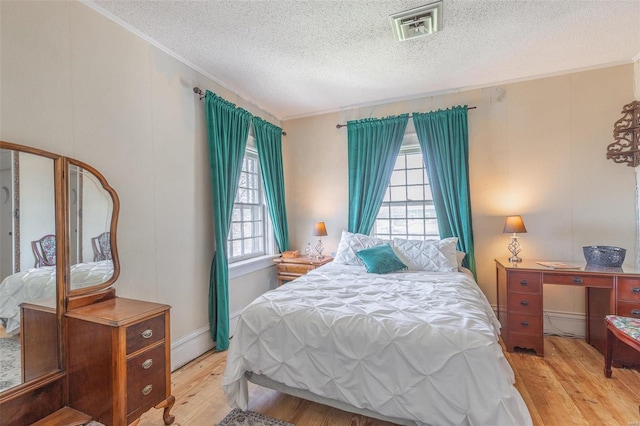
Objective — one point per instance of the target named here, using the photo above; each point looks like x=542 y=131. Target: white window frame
x=430 y=225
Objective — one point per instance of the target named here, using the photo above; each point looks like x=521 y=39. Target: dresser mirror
x=91 y=221
x=58 y=219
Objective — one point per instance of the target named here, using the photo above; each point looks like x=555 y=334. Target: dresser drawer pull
x=524 y=323
x=524 y=303
x=635 y=312
x=147 y=389
x=147 y=333
x=577 y=280
x=524 y=282
x=635 y=290
x=148 y=363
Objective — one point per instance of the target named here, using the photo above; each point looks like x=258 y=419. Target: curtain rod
x=338 y=126
x=198 y=91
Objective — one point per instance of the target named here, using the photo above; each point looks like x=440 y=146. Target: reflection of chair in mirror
x=45 y=251
x=101 y=247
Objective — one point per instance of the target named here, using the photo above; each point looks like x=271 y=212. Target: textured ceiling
x=298 y=58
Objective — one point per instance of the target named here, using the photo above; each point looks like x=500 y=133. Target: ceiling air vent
x=417 y=22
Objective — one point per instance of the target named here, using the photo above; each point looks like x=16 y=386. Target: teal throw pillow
x=381 y=260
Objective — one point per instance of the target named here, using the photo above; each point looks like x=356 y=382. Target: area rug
x=9 y=362
x=238 y=417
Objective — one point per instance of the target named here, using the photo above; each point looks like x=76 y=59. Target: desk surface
x=580 y=267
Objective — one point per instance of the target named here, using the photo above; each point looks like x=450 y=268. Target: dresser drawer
x=524 y=303
x=524 y=282
x=579 y=280
x=145 y=333
x=628 y=309
x=525 y=324
x=146 y=379
x=628 y=290
x=292 y=268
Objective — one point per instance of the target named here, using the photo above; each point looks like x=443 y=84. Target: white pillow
x=460 y=255
x=434 y=256
x=350 y=244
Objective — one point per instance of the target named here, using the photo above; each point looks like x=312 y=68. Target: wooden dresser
x=291 y=268
x=607 y=291
x=119 y=360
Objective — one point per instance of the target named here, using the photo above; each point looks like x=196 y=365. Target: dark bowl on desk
x=606 y=256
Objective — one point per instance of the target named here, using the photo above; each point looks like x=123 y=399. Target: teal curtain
x=227 y=132
x=269 y=145
x=373 y=148
x=444 y=140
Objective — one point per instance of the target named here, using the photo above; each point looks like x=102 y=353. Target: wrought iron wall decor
x=626 y=132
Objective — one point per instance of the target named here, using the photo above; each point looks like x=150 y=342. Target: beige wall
x=75 y=83
x=537 y=148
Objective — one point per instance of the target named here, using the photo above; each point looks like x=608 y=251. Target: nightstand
x=292 y=268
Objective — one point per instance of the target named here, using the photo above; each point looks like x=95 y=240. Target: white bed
x=415 y=347
x=40 y=283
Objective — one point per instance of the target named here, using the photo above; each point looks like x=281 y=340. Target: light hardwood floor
x=565 y=387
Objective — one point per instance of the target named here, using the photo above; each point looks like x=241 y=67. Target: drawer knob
x=524 y=303
x=635 y=312
x=524 y=282
x=148 y=363
x=524 y=323
x=147 y=333
x=147 y=389
x=577 y=280
x=635 y=290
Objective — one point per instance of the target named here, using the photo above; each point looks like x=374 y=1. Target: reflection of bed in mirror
x=37 y=284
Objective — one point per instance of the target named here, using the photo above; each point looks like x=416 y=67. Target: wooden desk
x=607 y=291
x=292 y=268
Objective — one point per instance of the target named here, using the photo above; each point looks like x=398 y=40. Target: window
x=407 y=209
x=247 y=235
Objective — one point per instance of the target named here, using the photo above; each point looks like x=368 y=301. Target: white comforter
x=412 y=345
x=40 y=283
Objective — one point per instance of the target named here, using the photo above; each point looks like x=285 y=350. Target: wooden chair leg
x=608 y=354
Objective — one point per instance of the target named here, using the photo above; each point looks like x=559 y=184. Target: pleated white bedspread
x=413 y=345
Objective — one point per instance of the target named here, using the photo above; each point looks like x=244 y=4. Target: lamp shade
x=319 y=229
x=514 y=224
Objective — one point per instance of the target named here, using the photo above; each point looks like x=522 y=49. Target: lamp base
x=515 y=259
x=319 y=248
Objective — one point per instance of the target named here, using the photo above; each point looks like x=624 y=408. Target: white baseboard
x=189 y=347
x=569 y=324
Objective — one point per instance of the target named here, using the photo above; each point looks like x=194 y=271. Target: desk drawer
x=628 y=309
x=524 y=303
x=579 y=280
x=525 y=324
x=524 y=282
x=629 y=289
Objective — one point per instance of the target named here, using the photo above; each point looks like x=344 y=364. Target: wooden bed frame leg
x=167 y=404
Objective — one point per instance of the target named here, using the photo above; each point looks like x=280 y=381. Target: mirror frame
x=19 y=399
x=112 y=229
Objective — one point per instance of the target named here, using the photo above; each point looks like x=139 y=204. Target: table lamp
x=514 y=225
x=319 y=230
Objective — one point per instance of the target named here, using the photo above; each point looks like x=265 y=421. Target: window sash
x=249 y=222
x=407 y=210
